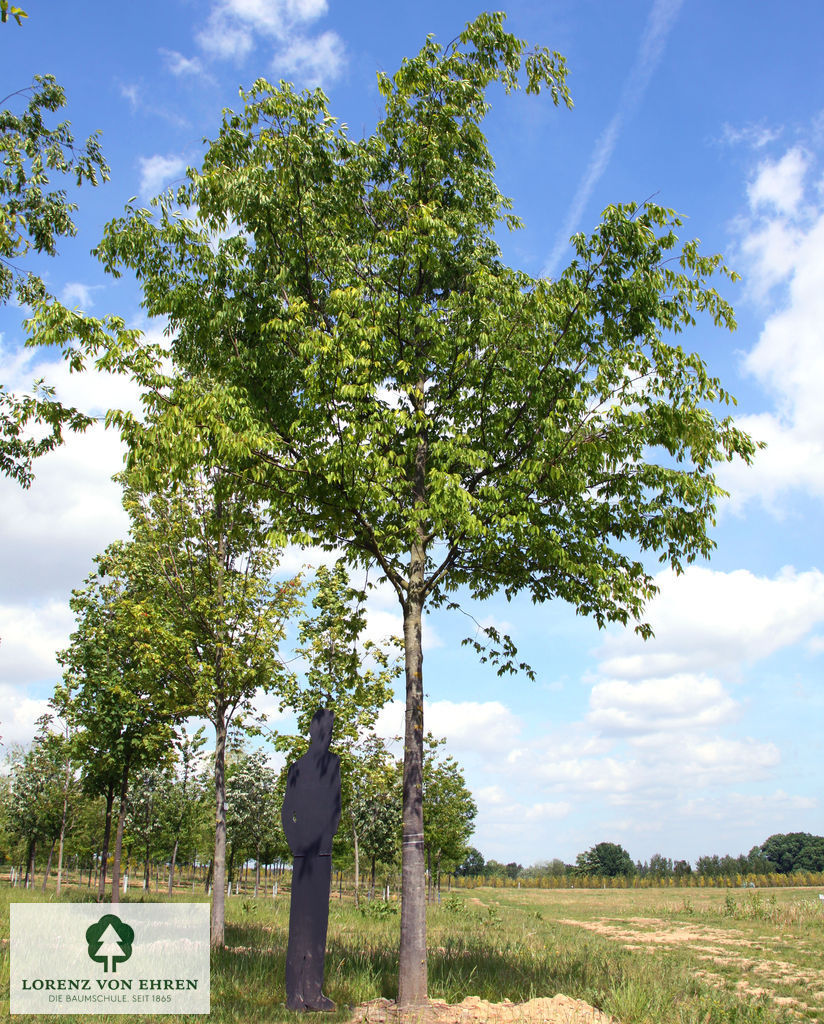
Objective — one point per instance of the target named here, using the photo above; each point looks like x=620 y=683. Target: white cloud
x=157 y=171
x=314 y=60
x=29 y=637
x=132 y=94
x=780 y=184
x=487 y=729
x=180 y=65
x=233 y=26
x=782 y=244
x=75 y=293
x=756 y=136
x=683 y=701
x=19 y=715
x=710 y=621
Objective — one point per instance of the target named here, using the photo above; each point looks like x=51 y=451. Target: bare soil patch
x=718 y=948
x=473 y=1010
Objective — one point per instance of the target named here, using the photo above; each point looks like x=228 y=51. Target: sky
x=705 y=739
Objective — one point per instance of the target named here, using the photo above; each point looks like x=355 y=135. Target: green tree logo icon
x=110 y=941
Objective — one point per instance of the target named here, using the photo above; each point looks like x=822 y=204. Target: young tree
x=117 y=696
x=412 y=400
x=449 y=811
x=38 y=796
x=253 y=807
x=184 y=798
x=354 y=677
x=220 y=615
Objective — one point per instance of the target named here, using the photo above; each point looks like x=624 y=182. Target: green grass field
x=668 y=956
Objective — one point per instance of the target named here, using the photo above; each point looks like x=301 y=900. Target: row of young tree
x=52 y=816
x=781 y=854
x=348 y=350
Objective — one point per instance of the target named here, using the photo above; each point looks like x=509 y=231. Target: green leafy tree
x=605 y=859
x=472 y=864
x=252 y=807
x=117 y=695
x=449 y=811
x=219 y=614
x=38 y=794
x=145 y=821
x=343 y=671
x=184 y=799
x=374 y=807
x=354 y=677
x=410 y=399
x=795 y=851
x=35 y=213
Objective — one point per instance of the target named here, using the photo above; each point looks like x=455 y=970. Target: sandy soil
x=557 y=1010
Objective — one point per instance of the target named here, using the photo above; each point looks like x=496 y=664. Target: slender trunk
x=49 y=863
x=121 y=824
x=172 y=867
x=357 y=867
x=208 y=881
x=412 y=980
x=372 y=880
x=428 y=874
x=104 y=853
x=30 y=865
x=219 y=861
x=63 y=819
x=257 y=870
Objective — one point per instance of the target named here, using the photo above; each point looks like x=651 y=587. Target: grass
x=647 y=956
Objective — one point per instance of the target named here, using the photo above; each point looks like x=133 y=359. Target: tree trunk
x=219 y=861
x=104 y=853
x=357 y=867
x=49 y=863
x=121 y=824
x=372 y=879
x=63 y=820
x=29 y=864
x=257 y=870
x=208 y=881
x=172 y=867
x=412 y=981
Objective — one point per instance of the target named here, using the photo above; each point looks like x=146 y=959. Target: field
x=667 y=956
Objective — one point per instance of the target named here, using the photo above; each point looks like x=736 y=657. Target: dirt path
x=719 y=948
x=557 y=1010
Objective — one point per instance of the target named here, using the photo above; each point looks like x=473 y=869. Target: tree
x=449 y=811
x=252 y=807
x=34 y=215
x=118 y=695
x=472 y=864
x=795 y=851
x=184 y=798
x=219 y=613
x=605 y=859
x=407 y=397
x=38 y=796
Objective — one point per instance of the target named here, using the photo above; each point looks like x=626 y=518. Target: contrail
x=650 y=51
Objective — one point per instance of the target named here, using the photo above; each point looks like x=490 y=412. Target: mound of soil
x=473 y=1010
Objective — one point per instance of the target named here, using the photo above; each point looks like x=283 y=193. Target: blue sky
x=707 y=738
